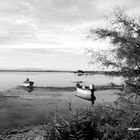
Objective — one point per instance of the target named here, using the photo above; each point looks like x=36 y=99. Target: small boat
x=84 y=92
x=28 y=83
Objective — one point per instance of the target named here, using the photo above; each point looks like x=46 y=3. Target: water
x=10 y=80
x=20 y=108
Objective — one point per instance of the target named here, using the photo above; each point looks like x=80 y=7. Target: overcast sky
x=51 y=34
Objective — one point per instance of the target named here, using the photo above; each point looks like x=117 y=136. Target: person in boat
x=27 y=80
x=92 y=89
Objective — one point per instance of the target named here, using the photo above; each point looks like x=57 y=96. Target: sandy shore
x=20 y=108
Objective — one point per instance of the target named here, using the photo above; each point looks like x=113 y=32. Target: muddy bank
x=27 y=133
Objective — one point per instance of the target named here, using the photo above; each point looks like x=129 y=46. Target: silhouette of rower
x=27 y=79
x=93 y=98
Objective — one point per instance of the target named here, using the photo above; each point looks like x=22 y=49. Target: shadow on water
x=29 y=89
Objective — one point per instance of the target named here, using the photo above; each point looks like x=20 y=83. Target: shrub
x=97 y=123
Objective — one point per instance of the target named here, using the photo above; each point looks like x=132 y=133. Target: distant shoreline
x=68 y=71
x=35 y=71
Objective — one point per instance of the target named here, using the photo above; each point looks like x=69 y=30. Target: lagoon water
x=10 y=80
x=21 y=108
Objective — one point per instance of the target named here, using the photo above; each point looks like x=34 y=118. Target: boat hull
x=28 y=84
x=83 y=93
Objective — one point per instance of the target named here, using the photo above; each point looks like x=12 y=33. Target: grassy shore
x=98 y=122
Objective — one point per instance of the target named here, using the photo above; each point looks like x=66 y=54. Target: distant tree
x=123 y=33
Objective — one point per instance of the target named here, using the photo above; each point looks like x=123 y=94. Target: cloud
x=48 y=21
x=53 y=22
x=50 y=33
x=33 y=52
x=65 y=11
x=71 y=12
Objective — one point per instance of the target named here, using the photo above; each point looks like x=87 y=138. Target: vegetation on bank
x=112 y=73
x=123 y=33
x=93 y=123
x=97 y=122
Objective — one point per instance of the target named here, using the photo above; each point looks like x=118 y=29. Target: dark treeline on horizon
x=80 y=72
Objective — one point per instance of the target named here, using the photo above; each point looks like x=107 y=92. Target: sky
x=52 y=34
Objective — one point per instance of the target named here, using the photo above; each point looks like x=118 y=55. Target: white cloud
x=53 y=27
x=52 y=21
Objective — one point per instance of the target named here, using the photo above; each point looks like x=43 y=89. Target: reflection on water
x=29 y=89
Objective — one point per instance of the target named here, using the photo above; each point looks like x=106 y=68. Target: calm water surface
x=21 y=111
x=10 y=80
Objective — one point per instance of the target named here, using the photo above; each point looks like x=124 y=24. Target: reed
x=94 y=123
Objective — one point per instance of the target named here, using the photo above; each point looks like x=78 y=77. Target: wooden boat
x=28 y=83
x=83 y=92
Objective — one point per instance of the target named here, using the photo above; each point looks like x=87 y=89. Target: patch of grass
x=95 y=123
x=102 y=122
